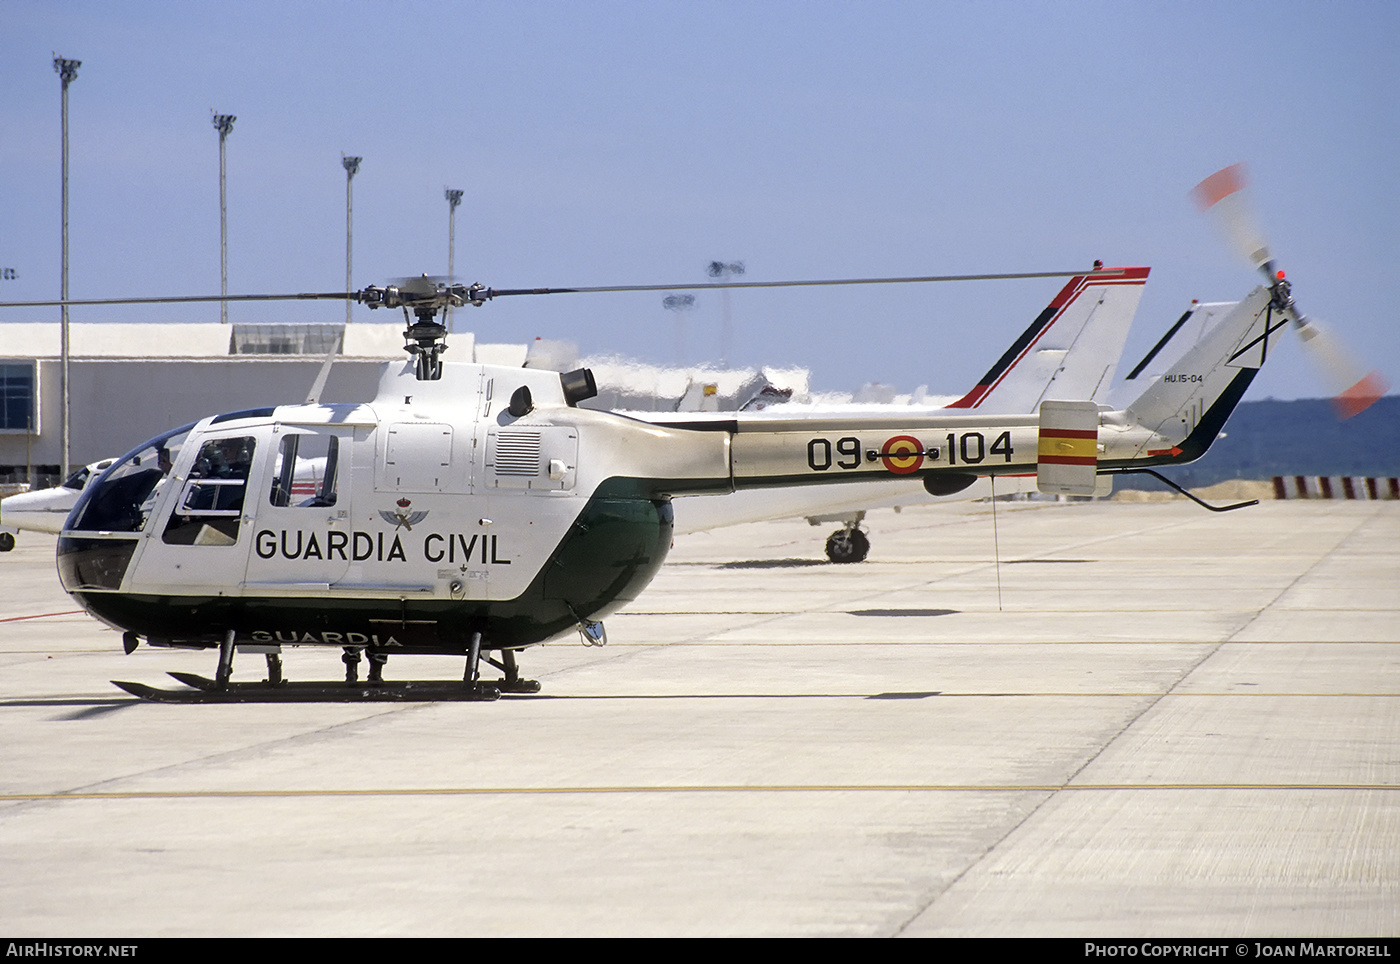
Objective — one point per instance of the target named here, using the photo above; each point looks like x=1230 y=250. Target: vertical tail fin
x=1071 y=348
x=1187 y=407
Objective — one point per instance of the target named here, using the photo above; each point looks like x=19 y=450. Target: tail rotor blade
x=1353 y=389
x=1223 y=196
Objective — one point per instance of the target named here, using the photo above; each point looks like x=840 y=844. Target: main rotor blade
x=185 y=299
x=704 y=285
x=489 y=293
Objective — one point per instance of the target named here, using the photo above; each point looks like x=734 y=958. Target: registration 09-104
x=904 y=453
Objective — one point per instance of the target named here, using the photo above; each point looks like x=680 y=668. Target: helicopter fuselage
x=482 y=510
x=436 y=513
x=439 y=514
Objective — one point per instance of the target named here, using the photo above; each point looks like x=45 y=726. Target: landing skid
x=205 y=690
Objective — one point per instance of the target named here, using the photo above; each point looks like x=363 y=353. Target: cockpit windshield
x=122 y=500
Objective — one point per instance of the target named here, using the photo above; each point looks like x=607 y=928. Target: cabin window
x=210 y=507
x=305 y=472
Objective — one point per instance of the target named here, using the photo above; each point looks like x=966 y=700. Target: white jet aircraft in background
x=44 y=510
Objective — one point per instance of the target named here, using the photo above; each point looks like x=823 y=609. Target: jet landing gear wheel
x=847 y=545
x=7 y=542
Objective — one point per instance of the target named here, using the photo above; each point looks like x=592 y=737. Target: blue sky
x=627 y=142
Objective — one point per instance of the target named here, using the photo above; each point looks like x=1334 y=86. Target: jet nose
x=41 y=511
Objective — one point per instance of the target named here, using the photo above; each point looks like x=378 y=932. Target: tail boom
x=1070 y=446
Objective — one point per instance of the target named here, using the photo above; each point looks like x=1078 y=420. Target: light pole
x=719 y=270
x=679 y=304
x=223 y=123
x=352 y=167
x=67 y=71
x=454 y=198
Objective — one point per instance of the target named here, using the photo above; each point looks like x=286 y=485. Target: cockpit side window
x=210 y=507
x=305 y=473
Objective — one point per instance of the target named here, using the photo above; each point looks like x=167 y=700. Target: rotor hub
x=426 y=337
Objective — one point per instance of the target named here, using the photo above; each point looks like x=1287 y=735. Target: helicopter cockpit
x=113 y=511
x=177 y=499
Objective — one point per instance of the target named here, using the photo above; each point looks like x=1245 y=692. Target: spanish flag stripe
x=1069 y=433
x=1078 y=448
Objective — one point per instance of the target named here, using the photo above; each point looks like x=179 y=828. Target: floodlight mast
x=223 y=123
x=67 y=71
x=679 y=304
x=454 y=198
x=352 y=167
x=720 y=270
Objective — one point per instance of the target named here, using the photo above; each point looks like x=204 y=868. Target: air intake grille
x=518 y=453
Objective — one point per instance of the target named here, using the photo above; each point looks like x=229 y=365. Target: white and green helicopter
x=474 y=511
